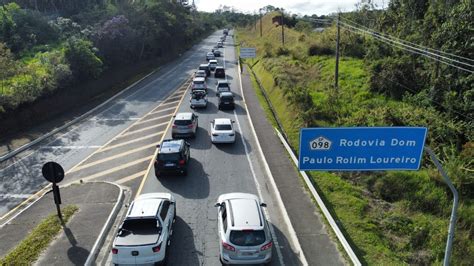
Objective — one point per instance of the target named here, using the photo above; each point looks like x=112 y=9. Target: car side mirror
x=217 y=204
x=187 y=144
x=172 y=202
x=263 y=204
x=233 y=121
x=158 y=146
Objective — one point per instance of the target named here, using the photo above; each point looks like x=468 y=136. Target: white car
x=210 y=56
x=200 y=74
x=222 y=130
x=221 y=86
x=213 y=64
x=199 y=84
x=144 y=235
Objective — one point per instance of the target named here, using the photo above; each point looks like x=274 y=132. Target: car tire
x=222 y=262
x=173 y=136
x=157 y=175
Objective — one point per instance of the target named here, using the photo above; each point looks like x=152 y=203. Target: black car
x=217 y=53
x=173 y=157
x=226 y=100
x=219 y=72
x=206 y=68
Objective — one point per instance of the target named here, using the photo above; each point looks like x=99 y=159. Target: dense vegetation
x=392 y=217
x=46 y=46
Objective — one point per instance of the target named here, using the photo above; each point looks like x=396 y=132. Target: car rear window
x=182 y=122
x=168 y=156
x=140 y=226
x=223 y=127
x=227 y=98
x=199 y=82
x=247 y=237
x=222 y=85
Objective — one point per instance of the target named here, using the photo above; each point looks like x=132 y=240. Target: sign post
x=371 y=149
x=54 y=173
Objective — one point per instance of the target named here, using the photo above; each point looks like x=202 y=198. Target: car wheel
x=157 y=174
x=173 y=136
x=222 y=262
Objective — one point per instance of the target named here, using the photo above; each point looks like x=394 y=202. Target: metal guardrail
x=284 y=139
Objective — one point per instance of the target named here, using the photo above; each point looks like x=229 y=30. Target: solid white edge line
x=286 y=218
x=321 y=205
x=260 y=195
x=105 y=229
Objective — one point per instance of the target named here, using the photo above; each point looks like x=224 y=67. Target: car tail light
x=267 y=246
x=157 y=248
x=175 y=126
x=159 y=162
x=181 y=162
x=114 y=251
x=227 y=246
x=190 y=126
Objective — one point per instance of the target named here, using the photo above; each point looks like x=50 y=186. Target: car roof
x=144 y=207
x=222 y=82
x=213 y=61
x=226 y=93
x=222 y=121
x=199 y=79
x=204 y=65
x=184 y=116
x=246 y=213
x=210 y=53
x=220 y=67
x=171 y=145
x=201 y=71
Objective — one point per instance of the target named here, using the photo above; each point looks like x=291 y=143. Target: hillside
x=392 y=217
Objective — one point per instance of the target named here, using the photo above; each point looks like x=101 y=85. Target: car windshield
x=227 y=98
x=168 y=156
x=222 y=85
x=223 y=127
x=197 y=96
x=182 y=122
x=247 y=237
x=199 y=85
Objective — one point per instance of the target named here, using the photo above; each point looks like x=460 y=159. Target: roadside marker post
x=371 y=149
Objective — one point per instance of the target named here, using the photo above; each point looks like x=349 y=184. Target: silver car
x=184 y=125
x=244 y=232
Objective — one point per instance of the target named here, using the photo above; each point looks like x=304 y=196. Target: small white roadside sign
x=248 y=52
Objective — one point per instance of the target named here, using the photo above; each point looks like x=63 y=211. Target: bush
x=282 y=51
x=82 y=59
x=316 y=49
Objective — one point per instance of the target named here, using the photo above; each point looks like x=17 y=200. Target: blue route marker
x=361 y=148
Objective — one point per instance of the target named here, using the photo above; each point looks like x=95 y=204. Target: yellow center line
x=115 y=169
x=142 y=184
x=83 y=166
x=131 y=177
x=131 y=141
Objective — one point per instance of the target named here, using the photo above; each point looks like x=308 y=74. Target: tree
x=82 y=59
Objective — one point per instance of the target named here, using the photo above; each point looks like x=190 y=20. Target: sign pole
x=54 y=173
x=452 y=221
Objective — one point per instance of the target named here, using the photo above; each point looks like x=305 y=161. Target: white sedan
x=222 y=131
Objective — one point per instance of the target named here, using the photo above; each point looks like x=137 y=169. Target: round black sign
x=53 y=172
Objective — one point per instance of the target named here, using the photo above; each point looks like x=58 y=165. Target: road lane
x=214 y=170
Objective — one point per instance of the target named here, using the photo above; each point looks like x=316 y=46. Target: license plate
x=247 y=253
x=226 y=103
x=135 y=253
x=169 y=164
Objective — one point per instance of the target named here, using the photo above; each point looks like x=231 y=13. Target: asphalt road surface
x=117 y=144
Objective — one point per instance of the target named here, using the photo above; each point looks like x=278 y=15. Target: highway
x=117 y=143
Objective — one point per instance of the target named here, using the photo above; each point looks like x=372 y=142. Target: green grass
x=38 y=240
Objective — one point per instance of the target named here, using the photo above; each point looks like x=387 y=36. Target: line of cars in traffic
x=144 y=236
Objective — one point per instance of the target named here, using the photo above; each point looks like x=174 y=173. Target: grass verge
x=29 y=249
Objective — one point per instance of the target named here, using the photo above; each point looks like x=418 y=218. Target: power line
x=411 y=49
x=407 y=42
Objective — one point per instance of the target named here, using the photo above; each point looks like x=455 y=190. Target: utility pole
x=336 y=75
x=260 y=10
x=282 y=29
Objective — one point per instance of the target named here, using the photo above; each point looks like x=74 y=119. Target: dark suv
x=226 y=100
x=206 y=68
x=219 y=72
x=173 y=157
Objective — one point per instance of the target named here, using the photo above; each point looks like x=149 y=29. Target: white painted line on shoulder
x=72 y=147
x=16 y=196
